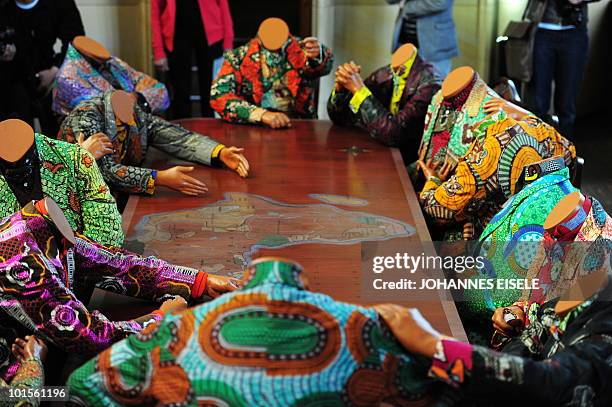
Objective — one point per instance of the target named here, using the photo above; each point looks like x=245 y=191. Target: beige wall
x=122 y=26
x=362 y=30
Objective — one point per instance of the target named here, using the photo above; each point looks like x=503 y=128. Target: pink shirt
x=216 y=18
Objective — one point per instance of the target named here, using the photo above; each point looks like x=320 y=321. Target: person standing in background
x=560 y=55
x=429 y=26
x=180 y=28
x=41 y=23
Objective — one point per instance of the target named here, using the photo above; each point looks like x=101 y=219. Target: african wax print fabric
x=70 y=176
x=272 y=343
x=253 y=77
x=80 y=78
x=122 y=170
x=487 y=175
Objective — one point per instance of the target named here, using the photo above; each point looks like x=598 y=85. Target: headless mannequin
x=97 y=55
x=402 y=55
x=568 y=212
x=19 y=161
x=91 y=48
x=273 y=33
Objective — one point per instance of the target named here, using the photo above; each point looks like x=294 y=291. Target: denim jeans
x=559 y=57
x=443 y=66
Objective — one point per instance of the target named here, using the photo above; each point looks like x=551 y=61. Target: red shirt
x=216 y=18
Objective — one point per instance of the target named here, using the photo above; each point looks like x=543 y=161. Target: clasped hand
x=348 y=76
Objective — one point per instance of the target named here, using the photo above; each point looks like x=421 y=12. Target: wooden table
x=287 y=167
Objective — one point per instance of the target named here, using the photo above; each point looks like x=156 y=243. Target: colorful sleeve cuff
x=453 y=359
x=358 y=98
x=151 y=183
x=257 y=114
x=217 y=151
x=199 y=285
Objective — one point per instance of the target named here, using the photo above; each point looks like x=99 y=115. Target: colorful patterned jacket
x=272 y=343
x=252 y=77
x=80 y=79
x=71 y=178
x=131 y=142
x=466 y=125
x=560 y=262
x=41 y=274
x=508 y=246
x=403 y=129
x=486 y=176
x=556 y=361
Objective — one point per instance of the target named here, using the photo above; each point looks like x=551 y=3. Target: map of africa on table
x=222 y=237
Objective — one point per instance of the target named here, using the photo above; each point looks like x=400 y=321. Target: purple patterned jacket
x=40 y=272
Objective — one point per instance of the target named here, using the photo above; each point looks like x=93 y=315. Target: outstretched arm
x=182 y=143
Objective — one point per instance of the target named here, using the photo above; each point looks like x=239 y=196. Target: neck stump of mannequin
x=123 y=106
x=273 y=33
x=583 y=289
x=91 y=48
x=566 y=218
x=563 y=223
x=16 y=139
x=403 y=54
x=457 y=81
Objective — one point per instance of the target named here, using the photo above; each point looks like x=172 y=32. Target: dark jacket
x=572 y=370
x=405 y=128
x=560 y=12
x=43 y=25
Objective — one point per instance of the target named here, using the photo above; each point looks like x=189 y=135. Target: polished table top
x=311 y=193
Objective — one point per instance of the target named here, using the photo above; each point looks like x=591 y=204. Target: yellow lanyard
x=399 y=83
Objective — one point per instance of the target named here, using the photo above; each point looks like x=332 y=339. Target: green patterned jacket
x=509 y=246
x=469 y=124
x=71 y=178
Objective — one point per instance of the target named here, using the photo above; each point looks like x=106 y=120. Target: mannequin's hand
x=349 y=76
x=276 y=120
x=46 y=78
x=29 y=347
x=217 y=285
x=430 y=170
x=494 y=105
x=509 y=320
x=176 y=304
x=312 y=47
x=161 y=64
x=98 y=145
x=176 y=178
x=410 y=328
x=233 y=158
x=344 y=69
